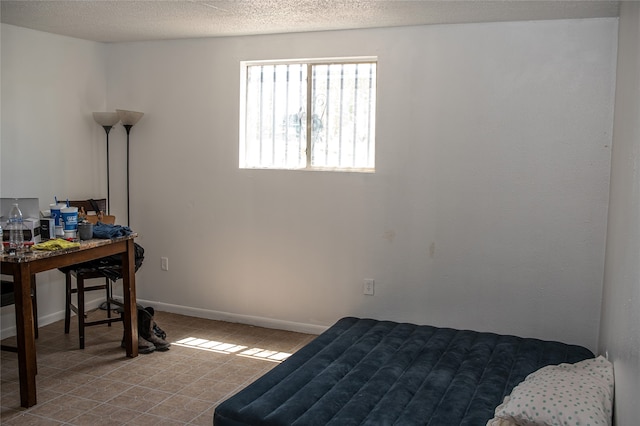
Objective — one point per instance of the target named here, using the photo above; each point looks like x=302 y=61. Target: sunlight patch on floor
x=230 y=348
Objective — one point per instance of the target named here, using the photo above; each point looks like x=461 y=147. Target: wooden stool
x=98 y=206
x=81 y=275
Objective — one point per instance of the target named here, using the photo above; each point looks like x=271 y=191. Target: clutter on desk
x=62 y=221
x=85 y=230
x=95 y=217
x=15 y=225
x=55 y=212
x=56 y=244
x=70 y=221
x=66 y=219
x=19 y=232
x=104 y=230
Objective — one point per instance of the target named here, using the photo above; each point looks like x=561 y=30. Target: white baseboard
x=237 y=318
x=48 y=319
x=193 y=312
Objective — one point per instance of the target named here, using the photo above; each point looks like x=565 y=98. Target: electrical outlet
x=164 y=263
x=369 y=287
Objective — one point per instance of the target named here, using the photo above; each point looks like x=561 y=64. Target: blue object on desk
x=106 y=231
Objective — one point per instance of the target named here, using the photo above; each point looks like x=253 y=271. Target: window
x=278 y=132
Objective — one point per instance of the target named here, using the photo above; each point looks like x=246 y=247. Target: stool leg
x=80 y=288
x=67 y=308
x=107 y=284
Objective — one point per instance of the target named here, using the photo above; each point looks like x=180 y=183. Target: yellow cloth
x=57 y=244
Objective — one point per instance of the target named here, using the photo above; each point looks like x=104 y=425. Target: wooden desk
x=24 y=267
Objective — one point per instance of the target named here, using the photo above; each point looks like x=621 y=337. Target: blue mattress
x=369 y=372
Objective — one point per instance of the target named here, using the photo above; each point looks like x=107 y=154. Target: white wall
x=50 y=145
x=620 y=326
x=487 y=210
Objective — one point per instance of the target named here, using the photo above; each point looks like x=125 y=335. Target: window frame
x=310 y=63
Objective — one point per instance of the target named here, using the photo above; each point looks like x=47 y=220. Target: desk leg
x=25 y=334
x=130 y=309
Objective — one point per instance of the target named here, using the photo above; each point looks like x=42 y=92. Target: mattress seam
x=475 y=338
x=418 y=353
x=348 y=372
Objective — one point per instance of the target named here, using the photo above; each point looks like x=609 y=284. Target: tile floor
x=207 y=362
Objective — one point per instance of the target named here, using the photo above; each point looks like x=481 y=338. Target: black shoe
x=144 y=346
x=145 y=330
x=158 y=331
x=159 y=342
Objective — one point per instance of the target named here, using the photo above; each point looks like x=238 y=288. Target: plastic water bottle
x=16 y=237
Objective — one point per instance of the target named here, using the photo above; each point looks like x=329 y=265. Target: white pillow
x=565 y=394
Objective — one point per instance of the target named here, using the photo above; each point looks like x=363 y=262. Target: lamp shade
x=106 y=118
x=129 y=118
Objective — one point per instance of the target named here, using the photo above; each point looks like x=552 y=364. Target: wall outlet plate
x=369 y=287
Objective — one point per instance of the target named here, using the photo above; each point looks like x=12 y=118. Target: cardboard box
x=33 y=226
x=107 y=219
x=31 y=231
x=47 y=228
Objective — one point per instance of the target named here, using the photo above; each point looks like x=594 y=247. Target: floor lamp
x=107 y=120
x=129 y=119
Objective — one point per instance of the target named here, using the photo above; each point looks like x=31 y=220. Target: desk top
x=32 y=255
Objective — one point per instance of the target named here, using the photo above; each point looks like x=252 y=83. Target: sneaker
x=158 y=342
x=158 y=331
x=144 y=346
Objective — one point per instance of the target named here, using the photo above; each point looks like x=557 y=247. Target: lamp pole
x=107 y=129
x=128 y=119
x=128 y=129
x=107 y=120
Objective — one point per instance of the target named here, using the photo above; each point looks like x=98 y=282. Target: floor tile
x=99 y=385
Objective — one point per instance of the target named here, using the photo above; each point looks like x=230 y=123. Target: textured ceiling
x=126 y=20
